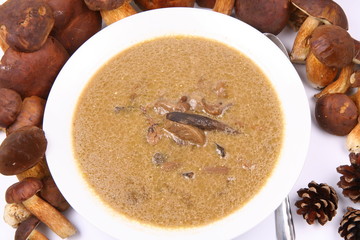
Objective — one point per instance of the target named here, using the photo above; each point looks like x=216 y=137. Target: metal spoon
x=283 y=218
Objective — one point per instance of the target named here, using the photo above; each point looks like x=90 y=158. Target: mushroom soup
x=178 y=131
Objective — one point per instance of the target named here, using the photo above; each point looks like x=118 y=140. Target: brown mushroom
x=74 y=23
x=25 y=192
x=206 y=3
x=332 y=45
x=26 y=24
x=40 y=170
x=15 y=213
x=319 y=12
x=224 y=6
x=21 y=150
x=10 y=106
x=318 y=74
x=296 y=18
x=266 y=16
x=112 y=10
x=341 y=84
x=31 y=114
x=185 y=134
x=27 y=230
x=52 y=194
x=154 y=4
x=32 y=74
x=336 y=113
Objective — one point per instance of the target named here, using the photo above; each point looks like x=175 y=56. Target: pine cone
x=319 y=202
x=350 y=181
x=350 y=225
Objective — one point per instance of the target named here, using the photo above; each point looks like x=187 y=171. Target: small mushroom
x=332 y=45
x=21 y=150
x=25 y=192
x=112 y=10
x=15 y=213
x=318 y=74
x=200 y=122
x=32 y=74
x=319 y=12
x=27 y=230
x=341 y=84
x=31 y=114
x=224 y=6
x=266 y=16
x=155 y=4
x=206 y=3
x=10 y=106
x=51 y=193
x=336 y=113
x=20 y=19
x=183 y=133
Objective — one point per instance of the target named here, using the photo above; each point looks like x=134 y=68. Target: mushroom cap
x=10 y=106
x=20 y=19
x=357 y=52
x=336 y=113
x=206 y=3
x=97 y=5
x=332 y=45
x=326 y=11
x=26 y=227
x=265 y=15
x=23 y=190
x=21 y=150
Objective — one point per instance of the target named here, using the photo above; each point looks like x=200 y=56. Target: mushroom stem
x=111 y=16
x=3 y=44
x=301 y=47
x=355 y=79
x=318 y=74
x=341 y=84
x=224 y=6
x=36 y=235
x=50 y=216
x=40 y=171
x=353 y=139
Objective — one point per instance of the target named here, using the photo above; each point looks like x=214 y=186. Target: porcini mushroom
x=10 y=106
x=20 y=19
x=27 y=230
x=32 y=74
x=25 y=192
x=74 y=23
x=40 y=170
x=332 y=45
x=112 y=10
x=336 y=113
x=155 y=4
x=31 y=114
x=318 y=74
x=21 y=150
x=224 y=6
x=266 y=16
x=319 y=12
x=15 y=213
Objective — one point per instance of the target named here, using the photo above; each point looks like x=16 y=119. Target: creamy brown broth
x=169 y=184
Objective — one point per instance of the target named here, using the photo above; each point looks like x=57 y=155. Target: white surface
x=326 y=152
x=175 y=21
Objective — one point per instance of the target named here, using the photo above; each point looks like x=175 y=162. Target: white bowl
x=146 y=25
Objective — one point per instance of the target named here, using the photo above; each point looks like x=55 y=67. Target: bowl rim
x=179 y=21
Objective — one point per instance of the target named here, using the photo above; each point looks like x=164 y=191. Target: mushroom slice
x=19 y=20
x=201 y=122
x=216 y=109
x=332 y=45
x=264 y=15
x=183 y=133
x=319 y=12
